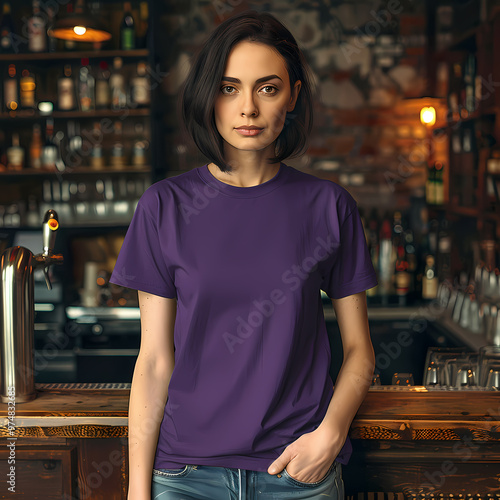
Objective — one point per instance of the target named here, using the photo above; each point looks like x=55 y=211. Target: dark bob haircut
x=203 y=85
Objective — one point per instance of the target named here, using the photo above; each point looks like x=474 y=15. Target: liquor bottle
x=142 y=27
x=469 y=81
x=49 y=149
x=36 y=147
x=127 y=28
x=140 y=87
x=86 y=88
x=140 y=147
x=10 y=90
x=117 y=86
x=15 y=154
x=7 y=30
x=102 y=89
x=37 y=30
x=118 y=150
x=96 y=152
x=402 y=275
x=27 y=87
x=411 y=257
x=429 y=279
x=66 y=99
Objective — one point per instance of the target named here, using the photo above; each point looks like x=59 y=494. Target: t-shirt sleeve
x=351 y=270
x=141 y=263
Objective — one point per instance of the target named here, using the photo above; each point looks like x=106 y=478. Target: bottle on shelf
x=127 y=28
x=36 y=147
x=117 y=159
x=86 y=88
x=49 y=150
x=10 y=89
x=66 y=99
x=15 y=154
x=117 y=86
x=142 y=26
x=411 y=257
x=469 y=82
x=140 y=87
x=37 y=30
x=140 y=147
x=96 y=150
x=27 y=87
x=429 y=279
x=402 y=275
x=7 y=30
x=102 y=89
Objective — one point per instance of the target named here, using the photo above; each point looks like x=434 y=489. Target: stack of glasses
x=457 y=368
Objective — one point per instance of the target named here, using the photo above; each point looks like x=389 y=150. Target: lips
x=249 y=130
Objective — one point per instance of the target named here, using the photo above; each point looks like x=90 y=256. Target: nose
x=249 y=108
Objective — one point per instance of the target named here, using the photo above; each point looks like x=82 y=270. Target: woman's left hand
x=309 y=457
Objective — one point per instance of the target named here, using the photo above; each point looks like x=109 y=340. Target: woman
x=229 y=260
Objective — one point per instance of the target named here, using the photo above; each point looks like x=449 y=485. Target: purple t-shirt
x=246 y=265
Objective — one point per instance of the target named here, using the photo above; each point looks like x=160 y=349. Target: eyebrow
x=260 y=80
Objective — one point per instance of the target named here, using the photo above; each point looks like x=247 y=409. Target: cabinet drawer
x=40 y=472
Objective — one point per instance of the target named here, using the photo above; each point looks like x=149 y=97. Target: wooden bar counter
x=71 y=443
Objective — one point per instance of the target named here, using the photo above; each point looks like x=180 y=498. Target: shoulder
x=167 y=191
x=329 y=194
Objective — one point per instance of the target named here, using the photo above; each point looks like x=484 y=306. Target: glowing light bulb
x=80 y=30
x=428 y=115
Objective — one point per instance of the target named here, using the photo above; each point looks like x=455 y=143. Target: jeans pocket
x=171 y=473
x=296 y=482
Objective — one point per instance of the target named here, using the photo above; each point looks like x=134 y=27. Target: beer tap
x=17 y=313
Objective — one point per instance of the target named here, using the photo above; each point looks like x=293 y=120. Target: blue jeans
x=204 y=482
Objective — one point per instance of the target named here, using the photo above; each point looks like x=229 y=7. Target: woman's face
x=254 y=97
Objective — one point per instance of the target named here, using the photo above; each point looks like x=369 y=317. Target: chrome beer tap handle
x=47 y=257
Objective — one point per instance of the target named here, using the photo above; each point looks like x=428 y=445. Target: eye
x=228 y=89
x=269 y=90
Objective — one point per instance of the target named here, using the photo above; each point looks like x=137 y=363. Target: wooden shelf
x=34 y=172
x=98 y=113
x=49 y=56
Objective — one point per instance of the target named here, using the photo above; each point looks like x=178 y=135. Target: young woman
x=231 y=395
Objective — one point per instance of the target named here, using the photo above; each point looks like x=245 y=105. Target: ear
x=295 y=95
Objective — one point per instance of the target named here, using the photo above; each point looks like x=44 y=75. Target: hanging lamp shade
x=79 y=26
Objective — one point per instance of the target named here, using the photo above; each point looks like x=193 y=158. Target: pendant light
x=79 y=26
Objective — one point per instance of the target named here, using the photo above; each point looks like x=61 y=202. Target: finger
x=280 y=463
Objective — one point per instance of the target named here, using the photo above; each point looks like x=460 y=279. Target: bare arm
x=356 y=373
x=149 y=389
x=310 y=456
